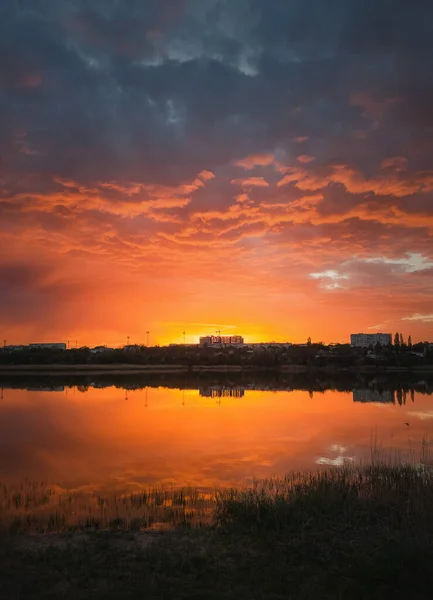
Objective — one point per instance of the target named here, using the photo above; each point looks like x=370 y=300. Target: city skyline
x=259 y=168
x=355 y=340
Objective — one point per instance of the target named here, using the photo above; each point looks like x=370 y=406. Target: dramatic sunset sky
x=259 y=167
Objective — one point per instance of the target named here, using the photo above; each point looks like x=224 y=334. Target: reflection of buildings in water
x=221 y=392
x=371 y=395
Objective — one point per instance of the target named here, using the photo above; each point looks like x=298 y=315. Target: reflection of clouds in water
x=421 y=414
x=335 y=462
x=100 y=440
x=339 y=449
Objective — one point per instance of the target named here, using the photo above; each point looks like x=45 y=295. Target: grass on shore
x=345 y=533
x=39 y=507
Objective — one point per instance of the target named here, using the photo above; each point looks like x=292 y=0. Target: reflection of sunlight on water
x=176 y=437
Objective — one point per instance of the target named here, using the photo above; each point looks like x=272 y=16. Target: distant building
x=222 y=340
x=13 y=348
x=365 y=340
x=57 y=346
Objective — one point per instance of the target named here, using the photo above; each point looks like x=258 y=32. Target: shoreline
x=128 y=369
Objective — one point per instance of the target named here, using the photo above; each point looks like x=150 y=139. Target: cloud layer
x=261 y=164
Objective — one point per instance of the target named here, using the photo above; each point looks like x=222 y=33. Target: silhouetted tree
x=309 y=341
x=409 y=342
x=397 y=341
x=401 y=340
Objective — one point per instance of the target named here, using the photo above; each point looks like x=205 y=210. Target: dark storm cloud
x=159 y=90
x=316 y=28
x=35 y=289
x=19 y=276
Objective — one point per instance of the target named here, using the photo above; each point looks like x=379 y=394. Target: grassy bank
x=361 y=533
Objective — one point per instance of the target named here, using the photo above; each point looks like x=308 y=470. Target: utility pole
x=4 y=344
x=127 y=339
x=147 y=338
x=184 y=338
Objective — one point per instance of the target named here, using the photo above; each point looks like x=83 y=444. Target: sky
x=258 y=167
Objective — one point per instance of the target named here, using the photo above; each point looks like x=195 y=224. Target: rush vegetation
x=347 y=533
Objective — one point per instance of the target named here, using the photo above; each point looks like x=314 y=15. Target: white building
x=222 y=340
x=366 y=340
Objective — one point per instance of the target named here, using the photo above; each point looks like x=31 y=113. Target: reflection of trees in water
x=398 y=395
x=403 y=385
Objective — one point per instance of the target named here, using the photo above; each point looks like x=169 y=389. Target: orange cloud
x=256 y=160
x=251 y=182
x=387 y=184
x=190 y=238
x=206 y=175
x=399 y=163
x=305 y=159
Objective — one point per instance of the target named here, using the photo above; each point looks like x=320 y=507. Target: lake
x=85 y=436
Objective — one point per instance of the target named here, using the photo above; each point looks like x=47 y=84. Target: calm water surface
x=116 y=439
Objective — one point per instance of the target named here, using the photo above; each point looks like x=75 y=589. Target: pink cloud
x=251 y=182
x=206 y=175
x=305 y=159
x=373 y=109
x=399 y=163
x=256 y=160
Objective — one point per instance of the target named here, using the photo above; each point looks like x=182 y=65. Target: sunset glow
x=198 y=166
